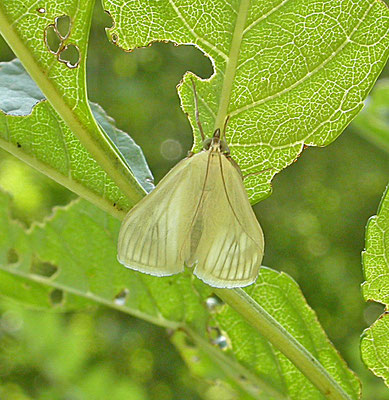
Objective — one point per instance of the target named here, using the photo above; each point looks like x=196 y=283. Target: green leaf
x=54 y=150
x=375 y=339
x=287 y=73
x=373 y=121
x=131 y=152
x=74 y=251
x=79 y=243
x=281 y=297
x=51 y=42
x=375 y=257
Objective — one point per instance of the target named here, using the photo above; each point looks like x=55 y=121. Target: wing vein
x=228 y=199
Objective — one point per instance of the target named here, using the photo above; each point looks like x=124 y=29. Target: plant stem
x=232 y=62
x=276 y=334
x=235 y=370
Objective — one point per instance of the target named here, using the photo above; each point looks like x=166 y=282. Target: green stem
x=276 y=334
x=235 y=370
x=88 y=132
x=71 y=184
x=232 y=63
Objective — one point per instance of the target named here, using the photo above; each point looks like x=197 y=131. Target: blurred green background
x=313 y=223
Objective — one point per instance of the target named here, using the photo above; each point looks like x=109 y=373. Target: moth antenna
x=197 y=111
x=225 y=127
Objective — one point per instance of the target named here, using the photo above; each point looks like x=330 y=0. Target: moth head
x=216 y=143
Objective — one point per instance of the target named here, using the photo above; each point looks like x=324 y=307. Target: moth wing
x=230 y=249
x=152 y=235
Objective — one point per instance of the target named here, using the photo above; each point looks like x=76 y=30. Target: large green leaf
x=74 y=253
x=373 y=121
x=40 y=137
x=375 y=339
x=288 y=73
x=51 y=41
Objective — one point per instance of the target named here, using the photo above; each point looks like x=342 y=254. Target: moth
x=199 y=216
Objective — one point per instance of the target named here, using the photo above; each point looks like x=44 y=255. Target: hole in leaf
x=52 y=40
x=41 y=10
x=45 y=269
x=56 y=297
x=189 y=342
x=70 y=55
x=63 y=26
x=12 y=256
x=372 y=312
x=121 y=297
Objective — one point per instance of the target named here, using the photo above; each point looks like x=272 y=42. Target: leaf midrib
x=234 y=368
x=232 y=62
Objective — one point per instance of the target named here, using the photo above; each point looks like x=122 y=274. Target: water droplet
x=218 y=338
x=221 y=341
x=121 y=297
x=213 y=302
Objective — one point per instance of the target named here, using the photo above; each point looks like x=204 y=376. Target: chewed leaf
x=235 y=353
x=51 y=42
x=373 y=121
x=53 y=149
x=376 y=256
x=281 y=297
x=287 y=73
x=375 y=340
x=374 y=348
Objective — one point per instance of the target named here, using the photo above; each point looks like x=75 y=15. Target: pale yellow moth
x=198 y=215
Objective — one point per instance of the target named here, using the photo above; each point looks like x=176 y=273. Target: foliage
x=375 y=340
x=373 y=122
x=52 y=272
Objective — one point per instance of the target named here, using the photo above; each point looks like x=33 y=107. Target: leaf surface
x=51 y=41
x=32 y=130
x=287 y=73
x=74 y=251
x=375 y=339
x=373 y=121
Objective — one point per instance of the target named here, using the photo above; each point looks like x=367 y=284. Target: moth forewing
x=152 y=235
x=230 y=249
